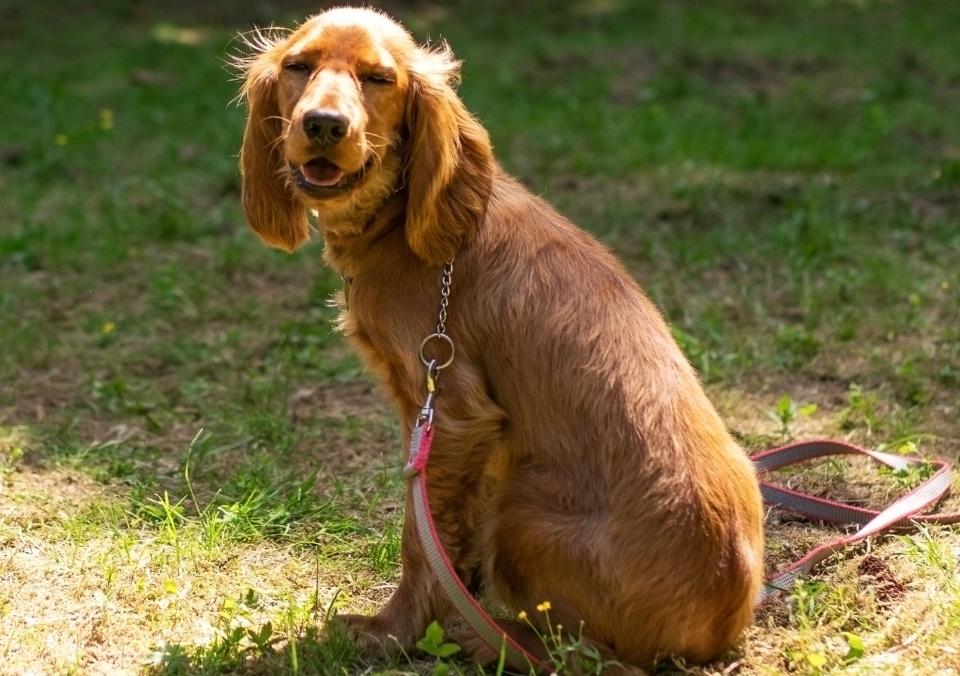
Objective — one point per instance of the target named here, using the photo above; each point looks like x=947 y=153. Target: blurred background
x=187 y=448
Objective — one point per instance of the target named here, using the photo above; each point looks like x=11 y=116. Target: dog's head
x=348 y=110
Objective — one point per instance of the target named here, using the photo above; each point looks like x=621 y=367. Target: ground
x=195 y=472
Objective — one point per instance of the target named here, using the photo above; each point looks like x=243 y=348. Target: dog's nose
x=325 y=127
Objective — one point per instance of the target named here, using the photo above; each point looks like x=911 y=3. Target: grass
x=195 y=473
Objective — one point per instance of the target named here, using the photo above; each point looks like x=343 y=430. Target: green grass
x=195 y=472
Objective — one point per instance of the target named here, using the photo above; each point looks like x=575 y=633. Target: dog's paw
x=369 y=634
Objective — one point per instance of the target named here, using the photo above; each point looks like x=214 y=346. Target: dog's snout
x=325 y=127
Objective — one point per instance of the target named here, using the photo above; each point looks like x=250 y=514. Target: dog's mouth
x=322 y=178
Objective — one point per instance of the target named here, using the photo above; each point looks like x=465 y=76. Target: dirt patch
x=877 y=574
x=40 y=394
x=351 y=430
x=758 y=75
x=334 y=402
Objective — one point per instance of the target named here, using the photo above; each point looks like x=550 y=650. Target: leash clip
x=426 y=411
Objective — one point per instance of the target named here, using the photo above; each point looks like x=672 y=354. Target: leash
x=466 y=604
x=903 y=515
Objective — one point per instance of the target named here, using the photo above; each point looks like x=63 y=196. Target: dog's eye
x=297 y=66
x=377 y=78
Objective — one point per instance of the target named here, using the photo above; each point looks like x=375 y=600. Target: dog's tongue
x=322 y=171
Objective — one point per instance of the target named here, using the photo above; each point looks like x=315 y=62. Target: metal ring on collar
x=441 y=337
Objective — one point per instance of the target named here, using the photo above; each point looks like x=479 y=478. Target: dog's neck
x=347 y=244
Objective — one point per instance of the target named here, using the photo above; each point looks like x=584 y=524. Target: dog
x=576 y=459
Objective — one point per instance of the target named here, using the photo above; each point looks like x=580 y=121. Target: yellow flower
x=106 y=119
x=522 y=615
x=544 y=607
x=61 y=139
x=108 y=328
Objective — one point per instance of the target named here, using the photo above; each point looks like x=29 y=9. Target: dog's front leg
x=417 y=601
x=466 y=442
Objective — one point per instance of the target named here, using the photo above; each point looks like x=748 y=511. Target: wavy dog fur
x=577 y=458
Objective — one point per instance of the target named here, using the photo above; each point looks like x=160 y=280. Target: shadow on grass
x=328 y=651
x=261 y=651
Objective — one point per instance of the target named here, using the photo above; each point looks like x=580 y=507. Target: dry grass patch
x=97 y=582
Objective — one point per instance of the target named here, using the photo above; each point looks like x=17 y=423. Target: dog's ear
x=450 y=167
x=272 y=210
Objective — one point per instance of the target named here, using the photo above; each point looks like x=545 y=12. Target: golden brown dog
x=577 y=458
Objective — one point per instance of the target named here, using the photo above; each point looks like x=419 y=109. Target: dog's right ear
x=272 y=209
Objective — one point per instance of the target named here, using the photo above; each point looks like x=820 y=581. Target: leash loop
x=904 y=514
x=433 y=364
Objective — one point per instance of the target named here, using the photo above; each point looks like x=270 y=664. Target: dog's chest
x=385 y=343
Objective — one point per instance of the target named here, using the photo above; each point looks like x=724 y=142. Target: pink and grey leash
x=903 y=514
x=466 y=604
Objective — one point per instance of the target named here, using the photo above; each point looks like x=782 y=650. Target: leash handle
x=903 y=514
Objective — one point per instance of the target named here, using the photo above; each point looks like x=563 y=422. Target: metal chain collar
x=445 y=283
x=440 y=335
x=434 y=364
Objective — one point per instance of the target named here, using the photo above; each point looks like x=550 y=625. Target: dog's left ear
x=450 y=167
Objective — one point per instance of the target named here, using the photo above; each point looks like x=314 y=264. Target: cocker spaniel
x=576 y=457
